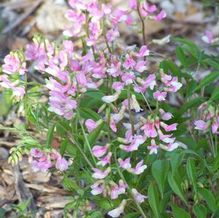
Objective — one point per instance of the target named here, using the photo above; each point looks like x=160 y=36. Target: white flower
x=119 y=210
x=110 y=98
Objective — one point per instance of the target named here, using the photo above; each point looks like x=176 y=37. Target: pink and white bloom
x=105 y=160
x=116 y=190
x=153 y=147
x=119 y=210
x=149 y=129
x=61 y=164
x=99 y=174
x=139 y=168
x=208 y=37
x=160 y=96
x=165 y=115
x=200 y=125
x=90 y=125
x=97 y=188
x=138 y=196
x=160 y=16
x=143 y=52
x=99 y=151
x=125 y=164
x=169 y=128
x=111 y=98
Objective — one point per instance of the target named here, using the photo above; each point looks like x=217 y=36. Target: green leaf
x=190 y=170
x=92 y=137
x=211 y=77
x=131 y=215
x=215 y=94
x=200 y=211
x=159 y=171
x=209 y=198
x=70 y=184
x=179 y=212
x=50 y=135
x=176 y=187
x=153 y=199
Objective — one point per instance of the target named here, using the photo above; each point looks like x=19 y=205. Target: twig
x=22 y=17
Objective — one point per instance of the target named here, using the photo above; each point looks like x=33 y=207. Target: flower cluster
x=14 y=67
x=209 y=119
x=42 y=161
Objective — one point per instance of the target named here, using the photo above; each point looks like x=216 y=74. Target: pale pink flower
x=138 y=196
x=160 y=96
x=139 y=168
x=133 y=4
x=200 y=125
x=113 y=125
x=149 y=129
x=97 y=188
x=90 y=125
x=129 y=62
x=165 y=115
x=135 y=143
x=141 y=66
x=215 y=126
x=62 y=164
x=105 y=160
x=41 y=164
x=99 y=151
x=112 y=34
x=116 y=190
x=160 y=16
x=34 y=152
x=117 y=86
x=153 y=147
x=118 y=211
x=111 y=98
x=99 y=174
x=208 y=37
x=172 y=146
x=143 y=52
x=128 y=78
x=125 y=164
x=169 y=128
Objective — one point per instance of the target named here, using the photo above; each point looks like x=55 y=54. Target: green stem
x=86 y=141
x=131 y=119
x=129 y=189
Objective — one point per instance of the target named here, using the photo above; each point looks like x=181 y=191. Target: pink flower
x=97 y=188
x=99 y=174
x=12 y=65
x=125 y=164
x=139 y=168
x=90 y=125
x=118 y=211
x=165 y=115
x=153 y=147
x=116 y=190
x=117 y=86
x=41 y=164
x=133 y=4
x=169 y=128
x=99 y=151
x=105 y=160
x=144 y=51
x=208 y=37
x=214 y=127
x=172 y=146
x=129 y=62
x=160 y=96
x=149 y=129
x=138 y=196
x=140 y=66
x=160 y=16
x=147 y=9
x=112 y=34
x=34 y=152
x=200 y=125
x=62 y=164
x=135 y=143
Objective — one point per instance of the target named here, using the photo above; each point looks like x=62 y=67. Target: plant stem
x=81 y=151
x=87 y=142
x=142 y=24
x=131 y=119
x=129 y=189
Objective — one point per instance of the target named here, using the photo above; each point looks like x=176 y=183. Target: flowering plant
x=124 y=147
